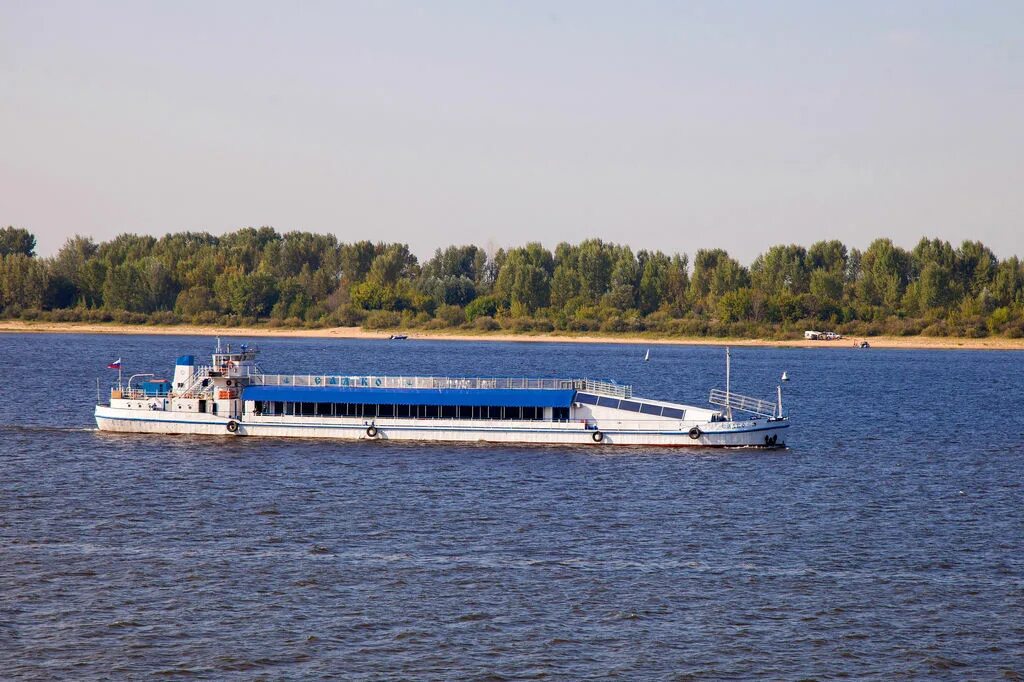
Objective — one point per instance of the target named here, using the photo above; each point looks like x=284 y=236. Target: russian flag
x=116 y=364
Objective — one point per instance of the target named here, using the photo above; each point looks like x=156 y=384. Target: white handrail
x=431 y=382
x=762 y=408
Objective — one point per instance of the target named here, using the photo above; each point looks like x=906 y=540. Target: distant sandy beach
x=927 y=342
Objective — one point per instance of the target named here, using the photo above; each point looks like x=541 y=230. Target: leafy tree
x=124 y=288
x=976 y=267
x=14 y=240
x=827 y=255
x=779 y=269
x=884 y=274
x=247 y=294
x=715 y=274
x=23 y=281
x=371 y=295
x=392 y=263
x=355 y=260
x=677 y=284
x=594 y=269
x=565 y=285
x=194 y=301
x=622 y=293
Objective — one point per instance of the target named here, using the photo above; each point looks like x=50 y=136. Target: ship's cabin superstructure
x=233 y=386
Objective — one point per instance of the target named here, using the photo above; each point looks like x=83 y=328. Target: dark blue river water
x=887 y=542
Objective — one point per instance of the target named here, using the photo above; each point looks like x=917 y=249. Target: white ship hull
x=751 y=433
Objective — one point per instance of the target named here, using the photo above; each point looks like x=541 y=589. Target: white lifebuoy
x=695 y=433
x=598 y=436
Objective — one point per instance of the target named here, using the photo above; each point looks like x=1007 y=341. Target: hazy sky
x=670 y=125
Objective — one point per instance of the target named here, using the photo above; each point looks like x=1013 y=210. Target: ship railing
x=135 y=394
x=195 y=387
x=605 y=388
x=743 y=403
x=370 y=381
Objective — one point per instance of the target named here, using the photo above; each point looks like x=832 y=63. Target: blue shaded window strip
x=388 y=411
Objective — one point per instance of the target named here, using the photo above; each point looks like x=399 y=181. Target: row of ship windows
x=368 y=410
x=642 y=408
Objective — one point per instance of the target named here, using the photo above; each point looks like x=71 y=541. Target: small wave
x=46 y=428
x=944 y=663
x=473 y=617
x=124 y=624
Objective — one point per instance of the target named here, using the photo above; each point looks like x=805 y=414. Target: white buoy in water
x=647 y=355
x=785 y=377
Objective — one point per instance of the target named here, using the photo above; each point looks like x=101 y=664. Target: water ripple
x=887 y=543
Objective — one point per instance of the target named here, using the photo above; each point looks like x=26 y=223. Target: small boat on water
x=399 y=337
x=233 y=396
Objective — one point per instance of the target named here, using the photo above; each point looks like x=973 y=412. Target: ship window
x=586 y=399
x=449 y=412
x=465 y=412
x=560 y=414
x=493 y=412
x=402 y=410
x=278 y=407
x=672 y=412
x=308 y=409
x=323 y=409
x=651 y=409
x=431 y=411
x=608 y=402
x=629 y=405
x=385 y=410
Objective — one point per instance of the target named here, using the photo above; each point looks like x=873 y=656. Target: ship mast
x=728 y=405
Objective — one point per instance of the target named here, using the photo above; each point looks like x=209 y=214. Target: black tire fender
x=371 y=432
x=695 y=433
x=233 y=426
x=598 y=436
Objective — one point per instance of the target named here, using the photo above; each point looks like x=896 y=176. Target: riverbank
x=926 y=342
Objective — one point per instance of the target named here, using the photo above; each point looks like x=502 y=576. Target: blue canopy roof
x=466 y=397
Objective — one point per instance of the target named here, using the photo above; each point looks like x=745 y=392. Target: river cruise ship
x=233 y=397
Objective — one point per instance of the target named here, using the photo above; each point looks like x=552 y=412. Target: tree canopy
x=302 y=278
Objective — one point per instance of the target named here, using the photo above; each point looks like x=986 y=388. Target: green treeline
x=256 y=275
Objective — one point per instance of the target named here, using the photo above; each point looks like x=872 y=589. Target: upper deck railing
x=743 y=403
x=369 y=381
